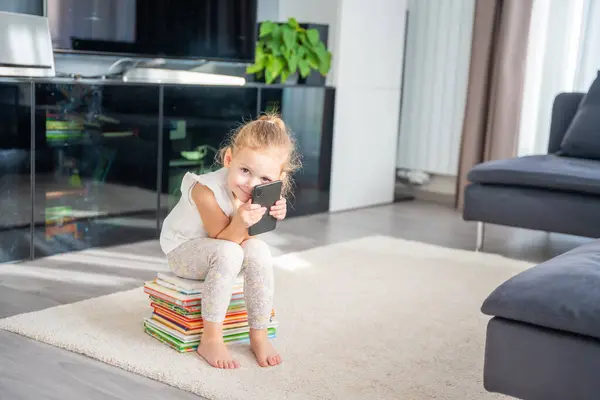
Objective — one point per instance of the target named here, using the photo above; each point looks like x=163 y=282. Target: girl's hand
x=249 y=214
x=279 y=209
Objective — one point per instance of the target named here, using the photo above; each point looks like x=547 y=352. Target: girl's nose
x=254 y=182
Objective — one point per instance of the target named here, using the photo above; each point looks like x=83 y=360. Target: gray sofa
x=554 y=192
x=543 y=338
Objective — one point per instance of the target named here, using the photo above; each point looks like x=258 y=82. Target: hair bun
x=273 y=118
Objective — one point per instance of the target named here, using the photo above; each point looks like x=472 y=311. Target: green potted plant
x=282 y=49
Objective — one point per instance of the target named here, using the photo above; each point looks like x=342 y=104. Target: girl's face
x=248 y=168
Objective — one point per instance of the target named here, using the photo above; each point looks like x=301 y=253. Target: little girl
x=205 y=236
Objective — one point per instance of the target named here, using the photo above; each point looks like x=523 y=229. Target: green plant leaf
x=277 y=31
x=304 y=68
x=272 y=68
x=281 y=62
x=313 y=60
x=301 y=52
x=285 y=75
x=269 y=76
x=259 y=52
x=321 y=51
x=302 y=38
x=275 y=47
x=260 y=60
x=266 y=28
x=292 y=62
x=254 y=68
x=325 y=64
x=313 y=36
x=289 y=37
x=259 y=55
x=275 y=65
x=293 y=23
x=286 y=54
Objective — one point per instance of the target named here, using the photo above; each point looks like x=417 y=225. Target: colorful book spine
x=176 y=319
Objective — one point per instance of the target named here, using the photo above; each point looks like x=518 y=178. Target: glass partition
x=305 y=109
x=96 y=165
x=197 y=120
x=15 y=168
x=89 y=165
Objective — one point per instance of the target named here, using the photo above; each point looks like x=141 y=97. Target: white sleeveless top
x=183 y=222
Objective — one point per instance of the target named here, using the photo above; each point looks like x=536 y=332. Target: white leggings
x=219 y=262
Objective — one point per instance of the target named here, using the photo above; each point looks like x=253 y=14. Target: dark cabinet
x=97 y=164
x=16 y=205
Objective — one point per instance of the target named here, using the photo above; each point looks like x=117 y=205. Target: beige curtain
x=496 y=77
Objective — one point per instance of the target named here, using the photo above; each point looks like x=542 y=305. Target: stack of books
x=176 y=319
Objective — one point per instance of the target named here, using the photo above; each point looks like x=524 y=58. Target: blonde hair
x=265 y=133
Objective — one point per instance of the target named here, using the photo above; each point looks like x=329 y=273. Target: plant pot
x=313 y=79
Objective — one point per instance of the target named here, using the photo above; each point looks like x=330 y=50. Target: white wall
x=436 y=77
x=368 y=80
x=268 y=10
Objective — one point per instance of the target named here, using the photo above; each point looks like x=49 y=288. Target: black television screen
x=198 y=29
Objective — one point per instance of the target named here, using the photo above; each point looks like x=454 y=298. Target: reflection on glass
x=197 y=121
x=304 y=111
x=15 y=161
x=33 y=7
x=96 y=175
x=96 y=166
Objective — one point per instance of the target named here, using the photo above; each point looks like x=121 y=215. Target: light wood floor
x=31 y=370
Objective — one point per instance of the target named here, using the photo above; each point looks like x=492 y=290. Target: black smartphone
x=266 y=195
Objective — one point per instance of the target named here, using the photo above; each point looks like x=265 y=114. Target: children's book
x=185 y=343
x=189 y=286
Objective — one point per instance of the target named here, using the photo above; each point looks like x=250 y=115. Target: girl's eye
x=245 y=170
x=264 y=179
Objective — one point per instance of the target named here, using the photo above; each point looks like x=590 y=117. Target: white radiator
x=435 y=84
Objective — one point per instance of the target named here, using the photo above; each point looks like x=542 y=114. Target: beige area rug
x=373 y=318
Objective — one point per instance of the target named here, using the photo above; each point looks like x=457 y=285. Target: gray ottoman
x=543 y=340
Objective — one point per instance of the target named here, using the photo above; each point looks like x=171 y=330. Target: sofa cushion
x=541 y=171
x=562 y=293
x=582 y=138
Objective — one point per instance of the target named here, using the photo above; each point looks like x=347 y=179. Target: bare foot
x=263 y=349
x=216 y=353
